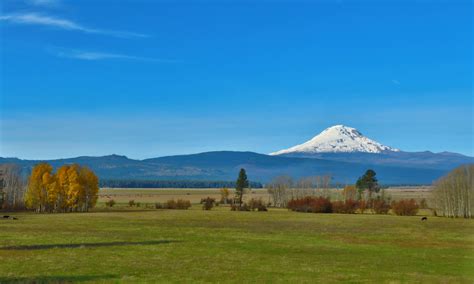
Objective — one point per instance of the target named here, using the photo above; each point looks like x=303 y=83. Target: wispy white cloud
x=93 y=55
x=43 y=20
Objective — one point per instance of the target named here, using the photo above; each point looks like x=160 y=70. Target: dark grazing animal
x=424 y=219
x=9 y=217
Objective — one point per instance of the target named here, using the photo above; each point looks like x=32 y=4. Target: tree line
x=71 y=189
x=454 y=193
x=13 y=187
x=132 y=183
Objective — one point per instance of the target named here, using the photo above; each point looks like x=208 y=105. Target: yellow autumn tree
x=90 y=188
x=62 y=188
x=73 y=188
x=38 y=186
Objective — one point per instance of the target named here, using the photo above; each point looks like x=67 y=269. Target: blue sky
x=154 y=78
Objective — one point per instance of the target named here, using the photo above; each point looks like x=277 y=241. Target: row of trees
x=71 y=189
x=135 y=183
x=282 y=189
x=12 y=187
x=454 y=193
x=75 y=188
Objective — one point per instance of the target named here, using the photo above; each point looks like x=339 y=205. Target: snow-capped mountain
x=338 y=139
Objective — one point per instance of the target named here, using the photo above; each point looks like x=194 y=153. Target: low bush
x=235 y=207
x=380 y=206
x=171 y=204
x=158 y=205
x=311 y=204
x=179 y=204
x=363 y=206
x=345 y=207
x=405 y=207
x=257 y=204
x=208 y=203
x=338 y=206
x=131 y=203
x=183 y=204
x=110 y=203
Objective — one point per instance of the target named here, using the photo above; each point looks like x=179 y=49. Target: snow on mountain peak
x=338 y=139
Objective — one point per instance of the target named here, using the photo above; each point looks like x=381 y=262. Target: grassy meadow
x=147 y=245
x=151 y=196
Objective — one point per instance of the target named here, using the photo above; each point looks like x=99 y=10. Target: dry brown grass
x=165 y=194
x=153 y=195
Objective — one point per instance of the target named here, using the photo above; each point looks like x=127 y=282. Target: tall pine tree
x=240 y=185
x=368 y=182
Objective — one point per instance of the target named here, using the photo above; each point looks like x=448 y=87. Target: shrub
x=351 y=206
x=380 y=206
x=363 y=205
x=158 y=205
x=405 y=207
x=183 y=204
x=257 y=204
x=311 y=204
x=110 y=203
x=131 y=203
x=208 y=203
x=345 y=207
x=338 y=207
x=170 y=204
x=138 y=204
x=179 y=204
x=235 y=207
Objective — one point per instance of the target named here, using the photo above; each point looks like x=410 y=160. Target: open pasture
x=153 y=195
x=224 y=246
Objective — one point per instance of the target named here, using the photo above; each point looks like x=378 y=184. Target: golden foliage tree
x=71 y=189
x=225 y=193
x=37 y=193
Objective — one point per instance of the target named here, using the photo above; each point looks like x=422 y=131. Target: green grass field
x=124 y=245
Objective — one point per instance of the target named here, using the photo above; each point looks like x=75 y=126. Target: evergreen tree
x=240 y=185
x=368 y=182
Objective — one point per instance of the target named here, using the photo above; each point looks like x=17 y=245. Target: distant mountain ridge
x=224 y=165
x=340 y=151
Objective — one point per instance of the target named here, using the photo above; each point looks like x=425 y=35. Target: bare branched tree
x=279 y=189
x=13 y=187
x=454 y=193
